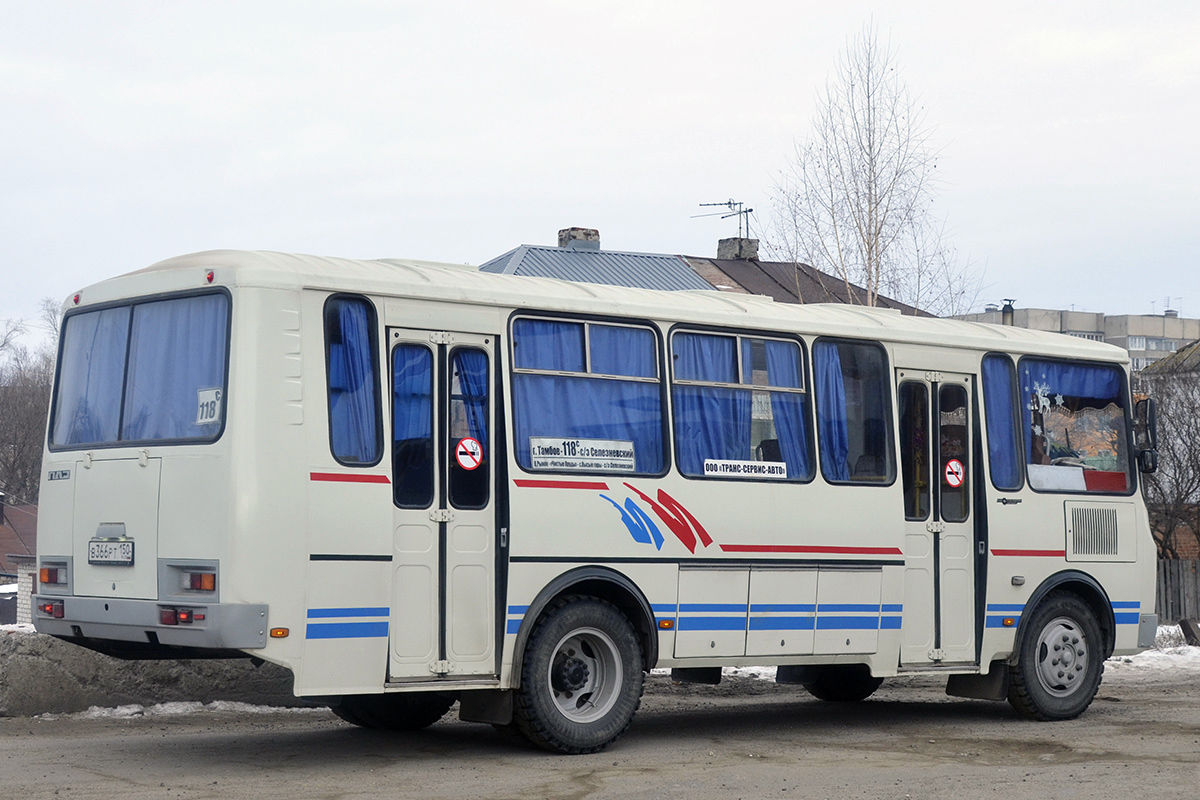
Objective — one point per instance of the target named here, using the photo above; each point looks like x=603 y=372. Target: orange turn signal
x=279 y=633
x=1008 y=622
x=666 y=624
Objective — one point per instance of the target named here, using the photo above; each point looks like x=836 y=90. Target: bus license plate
x=118 y=554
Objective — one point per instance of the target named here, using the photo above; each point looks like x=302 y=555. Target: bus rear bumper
x=215 y=626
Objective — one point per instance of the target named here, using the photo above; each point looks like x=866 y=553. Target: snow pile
x=176 y=709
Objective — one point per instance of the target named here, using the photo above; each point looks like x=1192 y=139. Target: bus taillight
x=200 y=581
x=53 y=575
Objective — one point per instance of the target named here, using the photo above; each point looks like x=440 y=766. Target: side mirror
x=1145 y=425
x=1148 y=461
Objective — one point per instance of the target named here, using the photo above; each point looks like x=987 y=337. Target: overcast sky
x=134 y=131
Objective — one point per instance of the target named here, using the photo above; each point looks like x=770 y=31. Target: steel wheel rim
x=588 y=698
x=1062 y=657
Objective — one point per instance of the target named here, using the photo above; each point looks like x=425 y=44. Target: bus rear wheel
x=1060 y=660
x=843 y=684
x=410 y=711
x=581 y=678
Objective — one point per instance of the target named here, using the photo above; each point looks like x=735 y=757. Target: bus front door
x=443 y=615
x=936 y=428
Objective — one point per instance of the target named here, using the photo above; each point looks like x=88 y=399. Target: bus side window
x=914 y=449
x=469 y=420
x=587 y=397
x=726 y=417
x=999 y=393
x=412 y=426
x=852 y=412
x=1075 y=423
x=355 y=429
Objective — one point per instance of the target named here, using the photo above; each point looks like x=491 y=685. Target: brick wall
x=26 y=569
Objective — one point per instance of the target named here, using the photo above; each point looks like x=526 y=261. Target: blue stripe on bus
x=325 y=613
x=1006 y=607
x=781 y=623
x=1127 y=618
x=660 y=608
x=847 y=623
x=1129 y=604
x=998 y=622
x=894 y=608
x=712 y=623
x=514 y=625
x=517 y=609
x=889 y=623
x=345 y=630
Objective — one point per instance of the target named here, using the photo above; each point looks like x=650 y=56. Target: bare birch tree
x=1173 y=492
x=855 y=199
x=25 y=379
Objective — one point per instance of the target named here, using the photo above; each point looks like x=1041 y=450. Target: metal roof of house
x=609 y=267
x=787 y=282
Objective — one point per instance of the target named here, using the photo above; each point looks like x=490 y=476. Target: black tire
x=1060 y=660
x=409 y=711
x=839 y=683
x=581 y=678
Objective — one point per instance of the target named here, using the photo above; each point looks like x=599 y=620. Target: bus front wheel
x=1059 y=661
x=581 y=678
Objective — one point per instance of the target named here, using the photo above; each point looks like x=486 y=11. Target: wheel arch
x=600 y=582
x=1087 y=589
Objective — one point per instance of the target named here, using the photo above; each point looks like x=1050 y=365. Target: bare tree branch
x=854 y=200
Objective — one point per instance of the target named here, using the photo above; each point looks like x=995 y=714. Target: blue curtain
x=622 y=351
x=589 y=408
x=412 y=393
x=176 y=350
x=91 y=373
x=710 y=422
x=833 y=432
x=999 y=394
x=789 y=410
x=1099 y=385
x=705 y=358
x=353 y=396
x=472 y=368
x=544 y=344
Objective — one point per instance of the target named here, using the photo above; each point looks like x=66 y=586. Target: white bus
x=413 y=484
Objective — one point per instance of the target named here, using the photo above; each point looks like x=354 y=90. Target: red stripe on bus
x=804 y=548
x=562 y=484
x=345 y=477
x=1034 y=553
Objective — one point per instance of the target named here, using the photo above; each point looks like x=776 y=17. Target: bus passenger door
x=936 y=425
x=443 y=615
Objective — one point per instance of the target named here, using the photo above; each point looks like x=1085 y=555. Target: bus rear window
x=1073 y=416
x=152 y=371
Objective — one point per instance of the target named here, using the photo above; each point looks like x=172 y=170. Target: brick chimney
x=738 y=249
x=579 y=238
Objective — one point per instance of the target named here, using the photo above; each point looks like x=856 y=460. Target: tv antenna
x=735 y=209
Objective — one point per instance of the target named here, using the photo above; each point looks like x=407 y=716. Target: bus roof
x=465 y=284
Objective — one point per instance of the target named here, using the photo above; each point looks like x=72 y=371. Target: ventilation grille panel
x=1101 y=531
x=1094 y=531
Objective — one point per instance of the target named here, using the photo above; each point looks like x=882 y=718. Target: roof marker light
x=210 y=275
x=76 y=299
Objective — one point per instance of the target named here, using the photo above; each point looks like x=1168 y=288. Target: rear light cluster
x=199 y=581
x=179 y=616
x=54 y=609
x=53 y=575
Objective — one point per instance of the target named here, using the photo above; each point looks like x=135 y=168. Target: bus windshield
x=149 y=371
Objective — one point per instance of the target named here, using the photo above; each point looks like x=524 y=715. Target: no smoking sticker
x=954 y=473
x=468 y=452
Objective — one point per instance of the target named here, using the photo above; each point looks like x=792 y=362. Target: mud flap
x=991 y=686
